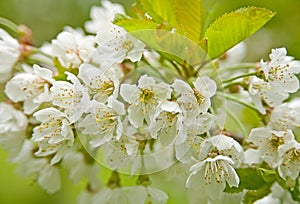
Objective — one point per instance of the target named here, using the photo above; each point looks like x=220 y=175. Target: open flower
x=165 y=122
x=72 y=97
x=263 y=92
x=285 y=116
x=47 y=176
x=218 y=155
x=144 y=98
x=9 y=55
x=31 y=87
x=216 y=172
x=281 y=69
x=189 y=137
x=116 y=45
x=101 y=83
x=269 y=142
x=72 y=48
x=290 y=164
x=103 y=123
x=54 y=135
x=195 y=100
x=13 y=124
x=102 y=16
x=122 y=153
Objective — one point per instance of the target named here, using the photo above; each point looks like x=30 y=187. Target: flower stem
x=237 y=67
x=153 y=68
x=232 y=98
x=232 y=84
x=237 y=121
x=9 y=24
x=240 y=76
x=114 y=180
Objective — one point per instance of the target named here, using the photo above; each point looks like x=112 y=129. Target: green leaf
x=295 y=191
x=232 y=28
x=160 y=11
x=267 y=174
x=132 y=24
x=189 y=18
x=253 y=195
x=250 y=179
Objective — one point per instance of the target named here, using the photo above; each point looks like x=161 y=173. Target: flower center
x=276 y=141
x=108 y=87
x=200 y=98
x=146 y=95
x=291 y=156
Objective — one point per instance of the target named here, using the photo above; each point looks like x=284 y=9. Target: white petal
x=129 y=92
x=136 y=116
x=181 y=87
x=146 y=81
x=43 y=73
x=49 y=179
x=205 y=86
x=233 y=179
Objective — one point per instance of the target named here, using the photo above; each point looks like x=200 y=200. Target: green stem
x=237 y=67
x=178 y=69
x=240 y=76
x=226 y=96
x=200 y=66
x=153 y=68
x=143 y=180
x=9 y=24
x=114 y=180
x=237 y=121
x=232 y=84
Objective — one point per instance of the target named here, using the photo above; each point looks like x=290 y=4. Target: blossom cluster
x=94 y=98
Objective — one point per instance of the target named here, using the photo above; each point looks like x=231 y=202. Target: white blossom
x=189 y=137
x=290 y=164
x=32 y=88
x=281 y=69
x=101 y=17
x=47 y=176
x=116 y=45
x=54 y=135
x=144 y=98
x=195 y=100
x=218 y=155
x=103 y=123
x=261 y=91
x=81 y=169
x=72 y=48
x=222 y=145
x=269 y=142
x=101 y=83
x=122 y=154
x=9 y=54
x=165 y=122
x=216 y=172
x=142 y=194
x=13 y=124
x=285 y=116
x=73 y=97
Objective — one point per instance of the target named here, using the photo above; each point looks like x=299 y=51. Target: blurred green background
x=47 y=18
